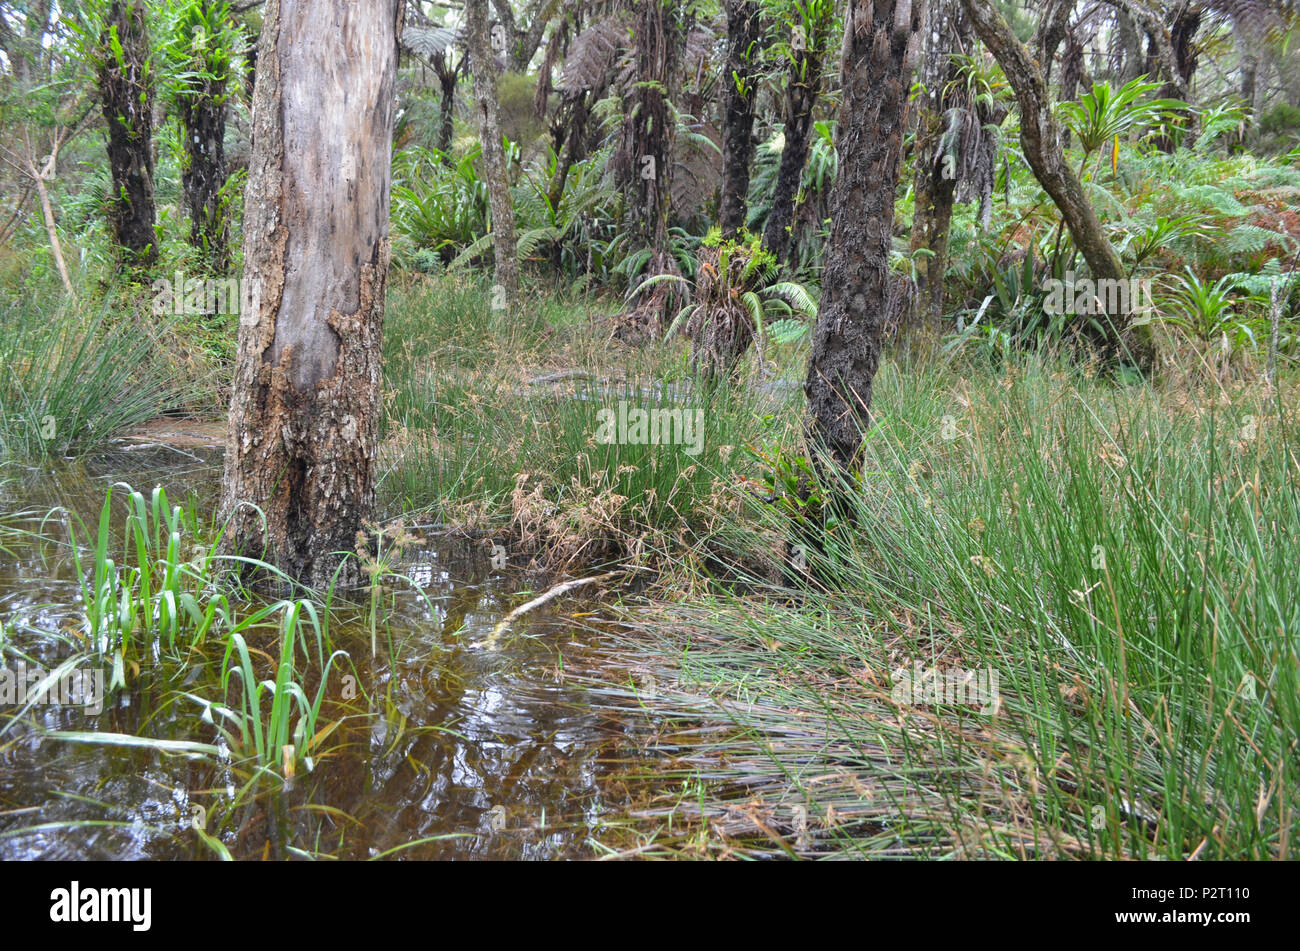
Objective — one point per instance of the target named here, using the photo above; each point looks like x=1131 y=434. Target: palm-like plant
x=1103 y=115
x=1210 y=312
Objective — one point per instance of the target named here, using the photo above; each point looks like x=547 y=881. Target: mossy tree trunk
x=947 y=32
x=744 y=34
x=126 y=96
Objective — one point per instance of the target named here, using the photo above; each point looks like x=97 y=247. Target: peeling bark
x=304 y=412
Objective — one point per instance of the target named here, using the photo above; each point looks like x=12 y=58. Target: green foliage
x=70 y=380
x=1104 y=115
x=439 y=210
x=1119 y=556
x=201 y=49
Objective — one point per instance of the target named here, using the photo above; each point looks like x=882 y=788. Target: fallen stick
x=490 y=641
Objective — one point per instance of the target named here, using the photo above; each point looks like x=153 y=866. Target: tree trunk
x=880 y=45
x=203 y=119
x=645 y=160
x=304 y=416
x=126 y=94
x=505 y=289
x=574 y=145
x=1131 y=43
x=947 y=32
x=1040 y=138
x=1183 y=37
x=39 y=177
x=448 y=76
x=738 y=79
x=803 y=87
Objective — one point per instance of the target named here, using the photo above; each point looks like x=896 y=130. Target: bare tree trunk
x=506 y=272
x=881 y=40
x=802 y=90
x=126 y=92
x=738 y=80
x=1040 y=137
x=304 y=416
x=40 y=176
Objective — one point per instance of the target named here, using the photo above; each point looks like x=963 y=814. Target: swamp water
x=549 y=746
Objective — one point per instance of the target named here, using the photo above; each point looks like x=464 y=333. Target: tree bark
x=574 y=144
x=802 y=90
x=1040 y=138
x=645 y=162
x=448 y=77
x=881 y=40
x=738 y=80
x=506 y=265
x=304 y=415
x=947 y=31
x=203 y=119
x=126 y=95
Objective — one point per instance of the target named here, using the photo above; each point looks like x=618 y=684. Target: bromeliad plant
x=1104 y=115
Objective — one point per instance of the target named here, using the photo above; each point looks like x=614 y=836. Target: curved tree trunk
x=506 y=270
x=304 y=415
x=880 y=46
x=743 y=37
x=803 y=87
x=1040 y=137
x=126 y=95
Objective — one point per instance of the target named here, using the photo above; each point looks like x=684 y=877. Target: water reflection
x=481 y=755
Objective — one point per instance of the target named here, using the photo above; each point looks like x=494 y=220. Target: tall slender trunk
x=506 y=265
x=574 y=144
x=881 y=40
x=448 y=76
x=803 y=88
x=39 y=177
x=645 y=160
x=203 y=119
x=738 y=80
x=126 y=94
x=947 y=32
x=304 y=415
